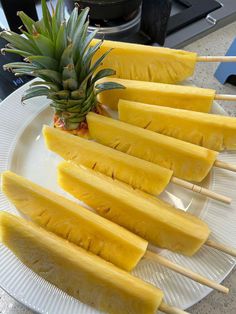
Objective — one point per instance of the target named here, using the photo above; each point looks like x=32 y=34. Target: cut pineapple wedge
x=79 y=273
x=211 y=131
x=175 y=96
x=74 y=222
x=188 y=161
x=146 y=63
x=155 y=221
x=138 y=173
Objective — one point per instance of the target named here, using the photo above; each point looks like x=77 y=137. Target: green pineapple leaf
x=27 y=21
x=101 y=74
x=44 y=62
x=35 y=92
x=71 y=24
x=62 y=54
x=107 y=86
x=47 y=19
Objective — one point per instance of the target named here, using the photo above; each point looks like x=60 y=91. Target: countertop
x=214 y=44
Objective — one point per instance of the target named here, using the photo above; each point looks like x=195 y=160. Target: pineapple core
x=146 y=63
x=188 y=162
x=157 y=222
x=175 y=96
x=81 y=274
x=74 y=222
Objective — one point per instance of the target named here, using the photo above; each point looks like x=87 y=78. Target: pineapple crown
x=60 y=52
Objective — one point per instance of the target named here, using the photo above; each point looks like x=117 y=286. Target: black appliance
x=155 y=22
x=8 y=81
x=173 y=22
x=142 y=21
x=11 y=7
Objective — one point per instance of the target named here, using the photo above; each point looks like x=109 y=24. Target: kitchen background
x=190 y=20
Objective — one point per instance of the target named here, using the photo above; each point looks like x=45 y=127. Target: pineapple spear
x=59 y=52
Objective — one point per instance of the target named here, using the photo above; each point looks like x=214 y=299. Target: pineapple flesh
x=146 y=63
x=80 y=274
x=188 y=162
x=214 y=132
x=59 y=53
x=73 y=222
x=154 y=220
x=138 y=173
x=175 y=96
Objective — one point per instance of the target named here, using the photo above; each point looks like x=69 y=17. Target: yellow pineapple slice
x=211 y=131
x=146 y=63
x=81 y=274
x=74 y=222
x=155 y=221
x=136 y=172
x=175 y=96
x=188 y=161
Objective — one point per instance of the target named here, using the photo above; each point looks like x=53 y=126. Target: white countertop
x=214 y=44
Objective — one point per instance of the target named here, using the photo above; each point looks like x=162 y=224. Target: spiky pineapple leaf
x=44 y=44
x=86 y=62
x=47 y=19
x=79 y=25
x=35 y=92
x=27 y=21
x=39 y=27
x=60 y=12
x=58 y=16
x=20 y=68
x=16 y=65
x=93 y=68
x=86 y=42
x=18 y=41
x=29 y=37
x=44 y=62
x=52 y=86
x=71 y=24
x=101 y=74
x=61 y=41
x=107 y=86
x=67 y=57
x=49 y=75
x=15 y=51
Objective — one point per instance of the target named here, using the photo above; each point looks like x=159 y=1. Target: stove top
x=189 y=20
x=218 y=14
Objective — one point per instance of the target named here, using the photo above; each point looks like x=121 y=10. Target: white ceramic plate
x=22 y=150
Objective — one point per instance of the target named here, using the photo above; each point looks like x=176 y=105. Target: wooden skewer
x=171 y=309
x=221 y=247
x=185 y=272
x=201 y=190
x=216 y=59
x=225 y=165
x=225 y=97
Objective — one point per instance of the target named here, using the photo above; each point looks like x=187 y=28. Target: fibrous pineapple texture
x=146 y=63
x=175 y=96
x=79 y=273
x=188 y=161
x=73 y=222
x=138 y=173
x=152 y=219
x=58 y=52
x=215 y=132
